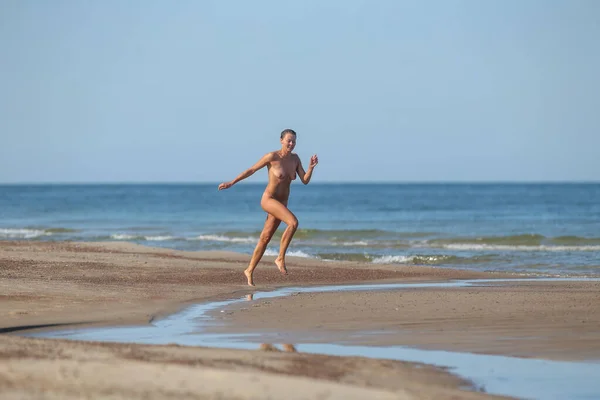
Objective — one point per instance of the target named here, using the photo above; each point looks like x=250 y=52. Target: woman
x=282 y=166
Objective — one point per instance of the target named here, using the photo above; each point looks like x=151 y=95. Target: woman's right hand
x=225 y=185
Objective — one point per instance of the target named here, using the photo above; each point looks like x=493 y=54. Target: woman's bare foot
x=249 y=277
x=290 y=348
x=281 y=265
x=268 y=347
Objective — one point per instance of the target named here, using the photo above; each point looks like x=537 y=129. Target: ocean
x=536 y=229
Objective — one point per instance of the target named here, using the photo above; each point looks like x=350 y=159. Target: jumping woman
x=282 y=165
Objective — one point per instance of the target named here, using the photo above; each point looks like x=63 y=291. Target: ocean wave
x=60 y=230
x=339 y=234
x=157 y=238
x=331 y=234
x=357 y=243
x=346 y=235
x=124 y=236
x=318 y=238
x=574 y=240
x=417 y=259
x=526 y=239
x=31 y=232
x=22 y=233
x=487 y=247
x=224 y=238
x=293 y=253
x=160 y=238
x=345 y=257
x=526 y=242
x=393 y=260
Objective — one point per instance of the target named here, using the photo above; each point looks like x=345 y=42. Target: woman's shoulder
x=270 y=156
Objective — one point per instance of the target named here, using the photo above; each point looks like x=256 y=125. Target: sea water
x=537 y=229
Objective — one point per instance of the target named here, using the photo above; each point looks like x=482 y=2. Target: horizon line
x=331 y=182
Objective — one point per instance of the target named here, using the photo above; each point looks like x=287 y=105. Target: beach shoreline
x=46 y=283
x=54 y=282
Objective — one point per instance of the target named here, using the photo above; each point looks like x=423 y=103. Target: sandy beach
x=54 y=284
x=550 y=320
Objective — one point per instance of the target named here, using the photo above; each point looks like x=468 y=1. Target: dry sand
x=115 y=283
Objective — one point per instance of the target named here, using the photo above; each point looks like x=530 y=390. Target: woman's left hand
x=314 y=160
x=225 y=185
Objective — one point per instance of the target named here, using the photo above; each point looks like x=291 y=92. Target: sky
x=384 y=90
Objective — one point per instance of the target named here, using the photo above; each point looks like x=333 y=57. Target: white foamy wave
x=466 y=246
x=7 y=233
x=293 y=253
x=393 y=259
x=127 y=236
x=159 y=238
x=358 y=243
x=122 y=236
x=219 y=238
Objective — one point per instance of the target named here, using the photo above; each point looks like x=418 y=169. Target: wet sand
x=550 y=320
x=118 y=283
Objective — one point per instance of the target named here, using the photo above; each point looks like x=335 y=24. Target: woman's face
x=288 y=142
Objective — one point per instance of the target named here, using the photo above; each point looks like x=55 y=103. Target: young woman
x=282 y=165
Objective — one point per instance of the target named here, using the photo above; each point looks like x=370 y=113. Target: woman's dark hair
x=286 y=131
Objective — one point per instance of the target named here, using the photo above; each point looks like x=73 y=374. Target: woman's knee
x=293 y=222
x=265 y=237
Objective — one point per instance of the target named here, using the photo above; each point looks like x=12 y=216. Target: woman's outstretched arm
x=305 y=176
x=260 y=164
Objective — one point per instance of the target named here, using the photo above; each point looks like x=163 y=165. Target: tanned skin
x=283 y=166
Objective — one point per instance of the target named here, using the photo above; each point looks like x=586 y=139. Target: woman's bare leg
x=282 y=213
x=271 y=225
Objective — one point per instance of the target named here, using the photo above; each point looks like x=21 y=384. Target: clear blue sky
x=197 y=91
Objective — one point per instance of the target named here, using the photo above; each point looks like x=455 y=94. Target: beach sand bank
x=550 y=320
x=46 y=283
